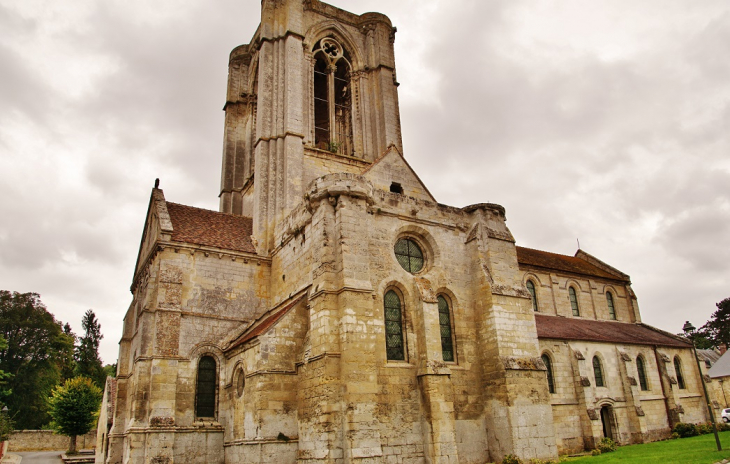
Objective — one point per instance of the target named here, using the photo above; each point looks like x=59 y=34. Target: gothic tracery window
x=332 y=97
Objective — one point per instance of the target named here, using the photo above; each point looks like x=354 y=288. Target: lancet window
x=332 y=97
x=205 y=390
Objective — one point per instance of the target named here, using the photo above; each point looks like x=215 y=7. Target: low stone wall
x=47 y=440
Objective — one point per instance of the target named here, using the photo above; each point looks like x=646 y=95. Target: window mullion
x=331 y=97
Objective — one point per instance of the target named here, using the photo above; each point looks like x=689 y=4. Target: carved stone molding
x=579 y=355
x=592 y=414
x=632 y=381
x=640 y=411
x=624 y=356
x=585 y=381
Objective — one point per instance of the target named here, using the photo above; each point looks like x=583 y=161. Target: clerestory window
x=611 y=308
x=332 y=98
x=447 y=336
x=533 y=294
x=394 y=346
x=573 y=301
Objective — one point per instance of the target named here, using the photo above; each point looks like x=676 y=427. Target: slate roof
x=708 y=355
x=210 y=228
x=564 y=328
x=721 y=368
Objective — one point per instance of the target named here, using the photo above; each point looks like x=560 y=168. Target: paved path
x=40 y=457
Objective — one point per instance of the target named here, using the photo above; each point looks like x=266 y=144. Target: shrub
x=674 y=436
x=511 y=459
x=685 y=430
x=723 y=427
x=704 y=429
x=542 y=461
x=606 y=445
x=595 y=452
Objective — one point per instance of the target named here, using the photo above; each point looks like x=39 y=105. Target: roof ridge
x=208 y=210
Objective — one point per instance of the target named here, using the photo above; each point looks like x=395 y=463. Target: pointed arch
x=547 y=360
x=641 y=371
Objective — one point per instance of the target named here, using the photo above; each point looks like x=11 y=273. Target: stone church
x=333 y=311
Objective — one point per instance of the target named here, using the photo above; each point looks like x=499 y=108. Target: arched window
x=598 y=372
x=642 y=372
x=573 y=301
x=678 y=371
x=332 y=97
x=447 y=337
x=611 y=309
x=393 y=327
x=533 y=294
x=549 y=366
x=206 y=387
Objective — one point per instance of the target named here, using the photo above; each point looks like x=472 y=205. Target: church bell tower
x=313 y=93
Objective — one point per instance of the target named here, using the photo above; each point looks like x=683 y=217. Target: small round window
x=409 y=255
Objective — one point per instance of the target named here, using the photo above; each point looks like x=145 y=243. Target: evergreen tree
x=74 y=407
x=717 y=329
x=88 y=363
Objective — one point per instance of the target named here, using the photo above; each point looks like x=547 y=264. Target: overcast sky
x=606 y=121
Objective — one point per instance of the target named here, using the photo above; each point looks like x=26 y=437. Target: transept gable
x=157 y=226
x=391 y=172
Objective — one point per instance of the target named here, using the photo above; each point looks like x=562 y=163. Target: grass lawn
x=694 y=450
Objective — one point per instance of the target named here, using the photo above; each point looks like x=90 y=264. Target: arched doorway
x=607 y=421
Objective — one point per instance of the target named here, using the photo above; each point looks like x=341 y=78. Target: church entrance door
x=606 y=416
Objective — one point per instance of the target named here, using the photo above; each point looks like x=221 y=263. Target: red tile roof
x=554 y=261
x=210 y=228
x=266 y=324
x=564 y=328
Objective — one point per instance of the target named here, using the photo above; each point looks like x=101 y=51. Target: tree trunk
x=71 y=445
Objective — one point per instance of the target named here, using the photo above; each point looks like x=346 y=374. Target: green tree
x=88 y=363
x=717 y=328
x=74 y=407
x=67 y=362
x=4 y=376
x=699 y=338
x=36 y=346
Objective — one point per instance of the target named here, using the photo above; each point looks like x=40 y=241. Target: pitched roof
x=721 y=368
x=266 y=323
x=564 y=328
x=210 y=228
x=554 y=261
x=709 y=355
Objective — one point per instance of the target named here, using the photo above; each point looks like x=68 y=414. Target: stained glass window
x=393 y=327
x=447 y=339
x=409 y=255
x=206 y=386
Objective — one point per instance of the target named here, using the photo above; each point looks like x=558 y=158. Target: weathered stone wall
x=553 y=298
x=640 y=415
x=47 y=440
